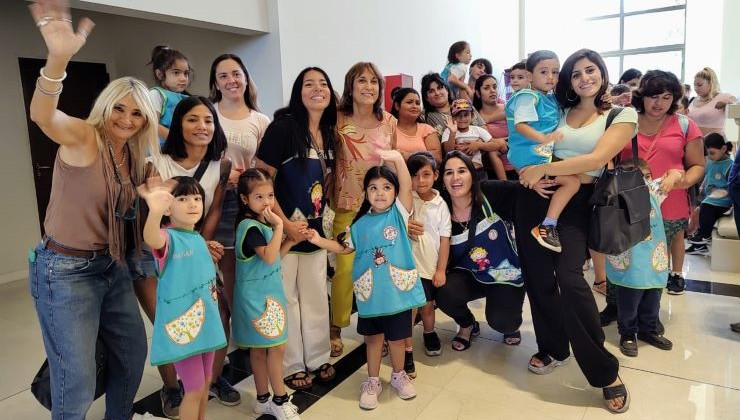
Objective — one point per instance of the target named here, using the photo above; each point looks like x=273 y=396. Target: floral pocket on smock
x=620 y=262
x=363 y=286
x=271 y=323
x=660 y=257
x=403 y=279
x=186 y=327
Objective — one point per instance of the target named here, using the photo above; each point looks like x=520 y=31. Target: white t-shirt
x=437 y=224
x=243 y=136
x=474 y=133
x=168 y=168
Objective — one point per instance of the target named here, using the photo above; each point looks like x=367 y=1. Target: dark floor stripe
x=713 y=288
x=239 y=369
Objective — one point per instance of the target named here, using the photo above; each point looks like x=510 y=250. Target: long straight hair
x=346 y=104
x=142 y=144
x=175 y=143
x=250 y=91
x=300 y=140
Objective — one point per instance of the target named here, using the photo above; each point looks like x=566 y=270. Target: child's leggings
x=195 y=370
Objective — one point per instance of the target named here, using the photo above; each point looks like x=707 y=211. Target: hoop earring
x=567 y=97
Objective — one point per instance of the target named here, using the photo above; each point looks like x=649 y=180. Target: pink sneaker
x=403 y=385
x=371 y=389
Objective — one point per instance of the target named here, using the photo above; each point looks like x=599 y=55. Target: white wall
x=124 y=45
x=410 y=36
x=730 y=69
x=246 y=17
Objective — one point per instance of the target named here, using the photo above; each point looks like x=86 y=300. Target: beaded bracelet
x=48 y=92
x=49 y=79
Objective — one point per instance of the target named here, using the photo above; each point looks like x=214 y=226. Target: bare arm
x=434 y=146
x=62 y=42
x=527 y=131
x=210 y=224
x=327 y=244
x=270 y=252
x=405 y=195
x=694 y=163
x=162 y=131
x=440 y=276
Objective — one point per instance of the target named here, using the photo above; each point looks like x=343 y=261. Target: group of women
x=318 y=150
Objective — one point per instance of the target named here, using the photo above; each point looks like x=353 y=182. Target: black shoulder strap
x=201 y=170
x=613 y=113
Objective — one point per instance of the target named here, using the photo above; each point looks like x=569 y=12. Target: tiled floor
x=699 y=379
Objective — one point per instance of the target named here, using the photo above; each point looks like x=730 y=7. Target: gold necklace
x=113 y=155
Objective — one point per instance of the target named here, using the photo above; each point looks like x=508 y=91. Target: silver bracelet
x=48 y=92
x=49 y=79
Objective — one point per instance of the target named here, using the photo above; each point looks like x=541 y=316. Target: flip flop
x=290 y=381
x=600 y=287
x=325 y=373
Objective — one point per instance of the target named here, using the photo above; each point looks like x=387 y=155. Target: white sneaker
x=402 y=383
x=262 y=407
x=371 y=389
x=286 y=411
x=147 y=416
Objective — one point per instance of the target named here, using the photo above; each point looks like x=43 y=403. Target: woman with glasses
x=195 y=147
x=79 y=278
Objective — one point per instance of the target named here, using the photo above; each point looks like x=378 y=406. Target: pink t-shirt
x=499 y=130
x=663 y=151
x=415 y=143
x=160 y=255
x=707 y=115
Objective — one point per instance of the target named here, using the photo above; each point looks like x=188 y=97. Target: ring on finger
x=43 y=21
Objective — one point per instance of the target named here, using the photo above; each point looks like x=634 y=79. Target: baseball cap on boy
x=459 y=105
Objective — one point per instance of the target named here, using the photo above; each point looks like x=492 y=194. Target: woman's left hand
x=720 y=105
x=415 y=228
x=216 y=250
x=531 y=175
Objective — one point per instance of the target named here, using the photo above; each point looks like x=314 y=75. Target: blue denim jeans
x=75 y=298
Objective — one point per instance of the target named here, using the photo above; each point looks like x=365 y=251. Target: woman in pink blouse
x=413 y=135
x=708 y=108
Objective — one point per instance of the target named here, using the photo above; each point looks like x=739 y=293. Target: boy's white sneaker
x=371 y=389
x=262 y=407
x=402 y=383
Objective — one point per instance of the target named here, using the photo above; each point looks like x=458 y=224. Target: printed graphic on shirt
x=390 y=233
x=317 y=194
x=479 y=256
x=544 y=149
x=271 y=323
x=379 y=257
x=186 y=327
x=403 y=279
x=363 y=286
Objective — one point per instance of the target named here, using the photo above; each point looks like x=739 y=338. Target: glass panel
x=601 y=35
x=612 y=67
x=642 y=31
x=667 y=61
x=635 y=5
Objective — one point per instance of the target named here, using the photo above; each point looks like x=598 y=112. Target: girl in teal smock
x=187 y=325
x=386 y=283
x=259 y=319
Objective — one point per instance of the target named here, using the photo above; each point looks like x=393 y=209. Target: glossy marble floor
x=699 y=379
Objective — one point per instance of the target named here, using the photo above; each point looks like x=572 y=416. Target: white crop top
x=581 y=141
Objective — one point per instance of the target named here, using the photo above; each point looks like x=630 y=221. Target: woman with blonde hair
x=708 y=108
x=80 y=278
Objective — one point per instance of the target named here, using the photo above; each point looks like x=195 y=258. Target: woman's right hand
x=53 y=19
x=234 y=178
x=294 y=230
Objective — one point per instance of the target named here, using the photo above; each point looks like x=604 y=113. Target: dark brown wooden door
x=83 y=84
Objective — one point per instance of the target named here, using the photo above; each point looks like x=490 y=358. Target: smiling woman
x=364 y=128
x=91 y=227
x=413 y=135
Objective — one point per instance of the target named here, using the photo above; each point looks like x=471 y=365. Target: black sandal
x=614 y=392
x=549 y=363
x=509 y=338
x=385 y=349
x=291 y=381
x=465 y=342
x=325 y=373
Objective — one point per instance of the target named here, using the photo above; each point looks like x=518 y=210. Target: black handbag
x=621 y=206
x=41 y=384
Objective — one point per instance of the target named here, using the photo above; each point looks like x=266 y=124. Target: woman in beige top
x=78 y=274
x=364 y=127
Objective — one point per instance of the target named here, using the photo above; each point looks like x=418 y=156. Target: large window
x=641 y=34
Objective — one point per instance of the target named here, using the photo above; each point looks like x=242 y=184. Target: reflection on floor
x=698 y=379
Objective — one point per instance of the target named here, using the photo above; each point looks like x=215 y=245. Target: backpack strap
x=201 y=170
x=683 y=121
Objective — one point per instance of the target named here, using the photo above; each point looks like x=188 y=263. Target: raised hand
x=451 y=124
x=390 y=155
x=272 y=218
x=53 y=19
x=157 y=194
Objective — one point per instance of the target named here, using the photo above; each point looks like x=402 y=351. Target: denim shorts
x=226 y=231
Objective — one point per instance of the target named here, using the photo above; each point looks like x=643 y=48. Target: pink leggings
x=194 y=370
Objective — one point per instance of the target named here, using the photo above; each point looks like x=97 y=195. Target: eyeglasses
x=131 y=213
